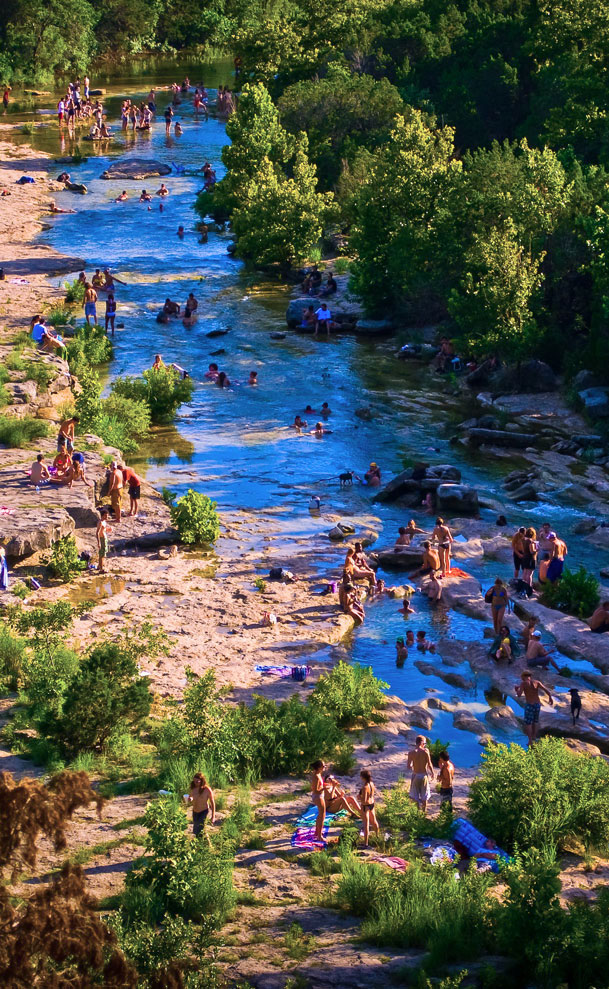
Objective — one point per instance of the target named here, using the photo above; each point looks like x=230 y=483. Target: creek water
x=234 y=444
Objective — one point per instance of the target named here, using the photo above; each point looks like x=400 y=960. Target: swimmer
x=320 y=431
x=204 y=231
x=222 y=380
x=309 y=410
x=212 y=372
x=181 y=232
x=123 y=196
x=58 y=209
x=401 y=652
x=406 y=608
x=423 y=643
x=325 y=409
x=253 y=378
x=298 y=424
x=410 y=638
x=171 y=308
x=163 y=191
x=178 y=130
x=145 y=197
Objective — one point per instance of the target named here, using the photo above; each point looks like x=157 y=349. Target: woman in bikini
x=336 y=798
x=498 y=598
x=355 y=572
x=444 y=538
x=318 y=797
x=366 y=796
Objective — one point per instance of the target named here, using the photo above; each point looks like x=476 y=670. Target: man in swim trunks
x=419 y=762
x=89 y=303
x=431 y=568
x=39 y=472
x=532 y=708
x=98 y=280
x=134 y=484
x=123 y=196
x=538 y=655
x=115 y=489
x=66 y=434
x=163 y=191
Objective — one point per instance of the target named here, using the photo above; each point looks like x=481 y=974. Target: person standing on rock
x=498 y=598
x=66 y=434
x=558 y=551
x=446 y=778
x=101 y=534
x=89 y=303
x=134 y=484
x=115 y=489
x=419 y=762
x=532 y=708
x=443 y=536
x=529 y=561
x=518 y=550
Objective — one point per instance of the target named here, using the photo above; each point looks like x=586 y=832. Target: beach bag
x=300 y=673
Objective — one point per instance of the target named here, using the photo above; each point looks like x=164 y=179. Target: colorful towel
x=444 y=855
x=277 y=671
x=306 y=838
x=476 y=845
x=456 y=572
x=392 y=861
x=310 y=816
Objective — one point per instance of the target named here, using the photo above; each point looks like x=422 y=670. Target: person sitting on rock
x=504 y=646
x=352 y=605
x=538 y=655
x=39 y=473
x=308 y=319
x=357 y=566
x=330 y=287
x=599 y=620
x=431 y=568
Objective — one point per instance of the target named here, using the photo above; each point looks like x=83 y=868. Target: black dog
x=346 y=478
x=576 y=703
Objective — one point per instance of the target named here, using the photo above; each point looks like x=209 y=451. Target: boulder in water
x=374 y=327
x=466 y=721
x=136 y=168
x=408 y=558
x=596 y=401
x=457 y=498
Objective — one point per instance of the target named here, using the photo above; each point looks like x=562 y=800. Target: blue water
x=234 y=445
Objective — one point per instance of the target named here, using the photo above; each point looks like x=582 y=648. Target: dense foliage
x=161 y=389
x=195 y=517
x=350 y=693
x=65 y=561
x=576 y=592
x=545 y=795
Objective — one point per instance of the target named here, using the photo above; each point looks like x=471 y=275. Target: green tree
x=106 y=698
x=281 y=219
x=160 y=389
x=492 y=306
x=195 y=517
x=402 y=228
x=43 y=38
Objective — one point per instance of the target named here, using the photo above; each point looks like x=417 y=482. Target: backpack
x=300 y=673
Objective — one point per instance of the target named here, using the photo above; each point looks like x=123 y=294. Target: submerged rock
x=408 y=558
x=136 y=168
x=457 y=498
x=503 y=718
x=466 y=721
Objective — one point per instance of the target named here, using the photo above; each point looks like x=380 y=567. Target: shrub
x=168 y=495
x=12 y=658
x=195 y=518
x=260 y=584
x=436 y=748
x=162 y=389
x=65 y=561
x=39 y=372
x=424 y=907
x=75 y=291
x=350 y=693
x=545 y=795
x=106 y=698
x=88 y=346
x=242 y=742
x=118 y=421
x=400 y=813
x=18 y=432
x=5 y=396
x=46 y=680
x=191 y=879
x=577 y=593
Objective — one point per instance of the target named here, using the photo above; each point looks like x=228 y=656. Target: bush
x=65 y=561
x=18 y=432
x=107 y=697
x=41 y=373
x=577 y=593
x=350 y=693
x=12 y=658
x=545 y=795
x=401 y=814
x=246 y=743
x=191 y=879
x=426 y=907
x=88 y=346
x=118 y=421
x=162 y=389
x=75 y=291
x=195 y=518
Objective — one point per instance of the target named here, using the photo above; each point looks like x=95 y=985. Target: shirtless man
x=111 y=280
x=191 y=306
x=98 y=280
x=171 y=308
x=40 y=471
x=419 y=762
x=123 y=196
x=201 y=796
x=404 y=538
x=66 y=433
x=599 y=620
x=538 y=655
x=54 y=208
x=145 y=197
x=431 y=567
x=444 y=538
x=89 y=303
x=163 y=191
x=115 y=490
x=530 y=688
x=557 y=551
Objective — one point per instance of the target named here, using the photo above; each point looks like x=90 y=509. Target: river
x=233 y=445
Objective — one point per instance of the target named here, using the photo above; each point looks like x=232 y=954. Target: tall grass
x=18 y=432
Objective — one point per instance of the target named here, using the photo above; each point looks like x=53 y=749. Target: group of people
x=544 y=551
x=101 y=281
x=171 y=308
x=318 y=319
x=77 y=107
x=329 y=797
x=68 y=465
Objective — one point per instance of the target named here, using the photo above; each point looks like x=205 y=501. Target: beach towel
x=310 y=816
x=456 y=572
x=5 y=511
x=476 y=846
x=277 y=671
x=305 y=838
x=391 y=861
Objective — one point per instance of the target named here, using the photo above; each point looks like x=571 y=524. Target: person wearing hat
x=372 y=476
x=538 y=655
x=557 y=551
